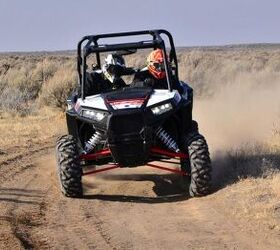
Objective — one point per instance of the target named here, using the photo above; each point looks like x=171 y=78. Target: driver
x=108 y=78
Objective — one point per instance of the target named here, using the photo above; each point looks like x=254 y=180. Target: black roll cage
x=92 y=46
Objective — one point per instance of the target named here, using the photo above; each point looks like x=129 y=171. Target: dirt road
x=137 y=208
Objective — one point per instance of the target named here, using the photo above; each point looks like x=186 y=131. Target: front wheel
x=69 y=168
x=200 y=164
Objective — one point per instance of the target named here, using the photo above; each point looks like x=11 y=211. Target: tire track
x=26 y=208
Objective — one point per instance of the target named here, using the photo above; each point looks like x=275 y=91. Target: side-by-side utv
x=132 y=126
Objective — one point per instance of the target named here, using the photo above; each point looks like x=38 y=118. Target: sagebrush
x=50 y=77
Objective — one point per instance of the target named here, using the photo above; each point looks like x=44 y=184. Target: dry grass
x=256 y=201
x=275 y=185
x=251 y=175
x=19 y=131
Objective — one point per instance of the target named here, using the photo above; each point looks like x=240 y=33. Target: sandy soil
x=123 y=209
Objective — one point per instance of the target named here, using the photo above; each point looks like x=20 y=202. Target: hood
x=128 y=98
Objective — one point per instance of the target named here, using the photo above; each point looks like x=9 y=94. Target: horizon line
x=228 y=46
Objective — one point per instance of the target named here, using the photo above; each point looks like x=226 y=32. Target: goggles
x=115 y=70
x=158 y=66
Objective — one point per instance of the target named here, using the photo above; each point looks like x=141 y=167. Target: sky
x=35 y=25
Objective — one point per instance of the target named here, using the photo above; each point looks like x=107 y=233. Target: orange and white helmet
x=155 y=62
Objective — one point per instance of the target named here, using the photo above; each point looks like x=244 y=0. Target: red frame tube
x=168 y=169
x=155 y=150
x=94 y=156
x=168 y=153
x=101 y=170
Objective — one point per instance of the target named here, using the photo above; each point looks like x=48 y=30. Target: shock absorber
x=93 y=141
x=166 y=139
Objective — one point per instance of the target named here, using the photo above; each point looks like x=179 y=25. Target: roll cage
x=89 y=44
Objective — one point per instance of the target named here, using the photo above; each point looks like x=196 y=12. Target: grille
x=128 y=139
x=126 y=124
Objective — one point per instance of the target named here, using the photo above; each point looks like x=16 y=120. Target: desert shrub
x=56 y=90
x=255 y=160
x=16 y=92
x=42 y=73
x=247 y=161
x=20 y=78
x=207 y=70
x=21 y=84
x=16 y=100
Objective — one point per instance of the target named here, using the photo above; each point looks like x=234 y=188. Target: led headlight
x=93 y=114
x=158 y=110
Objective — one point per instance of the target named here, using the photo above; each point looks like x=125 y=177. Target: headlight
x=93 y=114
x=158 y=110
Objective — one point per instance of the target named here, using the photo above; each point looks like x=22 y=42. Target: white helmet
x=113 y=67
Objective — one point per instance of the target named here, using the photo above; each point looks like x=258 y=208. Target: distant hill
x=179 y=48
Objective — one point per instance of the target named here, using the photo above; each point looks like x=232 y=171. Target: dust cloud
x=239 y=123
x=240 y=112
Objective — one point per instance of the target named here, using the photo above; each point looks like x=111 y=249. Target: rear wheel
x=69 y=168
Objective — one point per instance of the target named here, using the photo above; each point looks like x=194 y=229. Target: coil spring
x=167 y=139
x=93 y=141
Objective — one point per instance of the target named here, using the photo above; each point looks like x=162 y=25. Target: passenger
x=154 y=74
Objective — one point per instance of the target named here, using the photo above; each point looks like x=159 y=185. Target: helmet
x=156 y=64
x=113 y=67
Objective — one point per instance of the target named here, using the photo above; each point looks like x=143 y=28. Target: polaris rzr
x=132 y=126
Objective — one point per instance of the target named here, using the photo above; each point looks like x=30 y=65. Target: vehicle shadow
x=167 y=188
